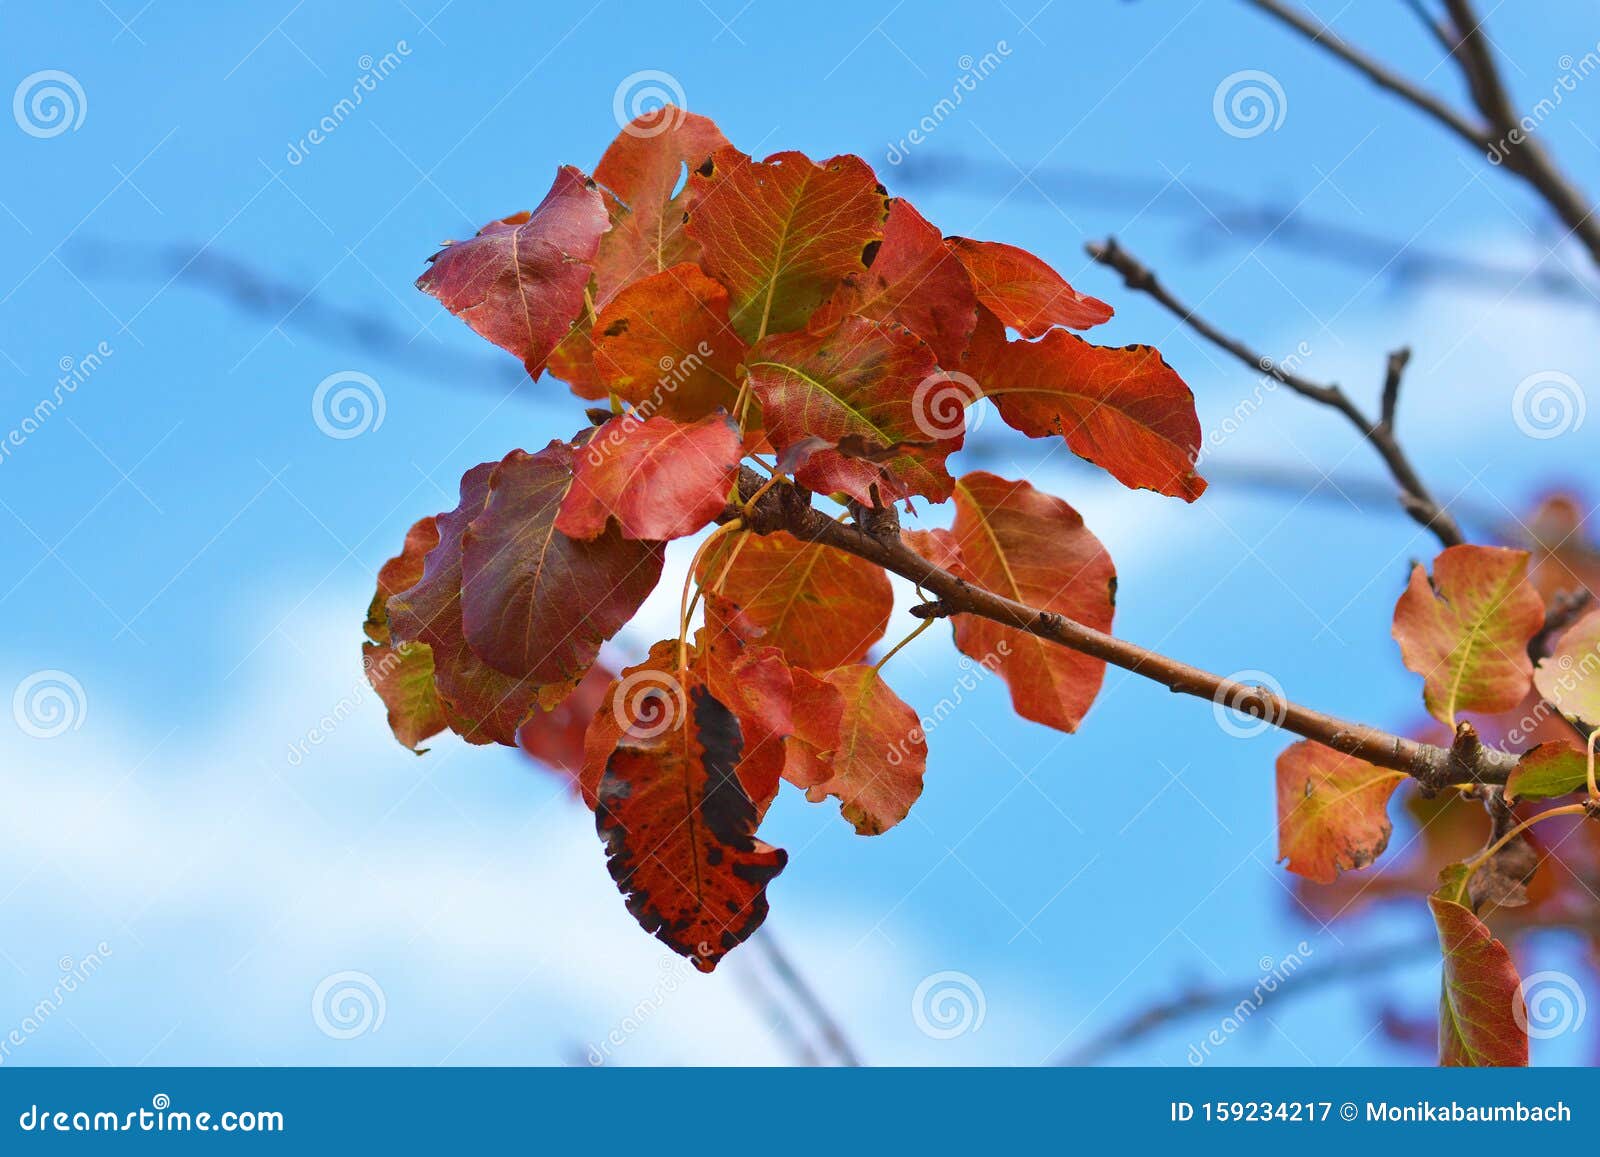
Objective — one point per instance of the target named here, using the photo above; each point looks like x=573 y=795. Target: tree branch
x=786 y=507
x=1416 y=498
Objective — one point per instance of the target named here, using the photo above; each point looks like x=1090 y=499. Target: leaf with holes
x=520 y=281
x=1467 y=633
x=1032 y=547
x=657 y=479
x=1332 y=811
x=680 y=831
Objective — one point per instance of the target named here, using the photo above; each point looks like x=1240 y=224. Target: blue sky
x=185 y=542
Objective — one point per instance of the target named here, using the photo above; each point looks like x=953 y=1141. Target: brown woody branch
x=1415 y=497
x=786 y=507
x=1479 y=67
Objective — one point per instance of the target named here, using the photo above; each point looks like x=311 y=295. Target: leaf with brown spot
x=1022 y=291
x=656 y=479
x=680 y=831
x=1124 y=409
x=914 y=280
x=881 y=753
x=1481 y=1012
x=1569 y=677
x=1467 y=633
x=537 y=604
x=782 y=234
x=664 y=345
x=1032 y=547
x=520 y=281
x=861 y=379
x=821 y=607
x=1332 y=811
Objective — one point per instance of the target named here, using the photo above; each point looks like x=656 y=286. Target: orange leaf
x=1332 y=811
x=1025 y=293
x=1467 y=633
x=1032 y=547
x=881 y=753
x=679 y=832
x=657 y=479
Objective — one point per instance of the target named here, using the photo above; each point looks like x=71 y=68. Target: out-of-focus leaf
x=1569 y=677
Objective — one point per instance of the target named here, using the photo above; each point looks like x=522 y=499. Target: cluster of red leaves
x=1475 y=631
x=793 y=316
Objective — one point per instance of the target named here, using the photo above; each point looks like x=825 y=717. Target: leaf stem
x=895 y=650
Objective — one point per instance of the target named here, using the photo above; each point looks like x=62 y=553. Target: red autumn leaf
x=783 y=233
x=679 y=832
x=554 y=738
x=1332 y=811
x=1022 y=291
x=939 y=547
x=914 y=280
x=644 y=167
x=520 y=281
x=1569 y=677
x=880 y=755
x=638 y=698
x=861 y=379
x=657 y=479
x=754 y=681
x=664 y=345
x=821 y=607
x=818 y=714
x=1032 y=547
x=1123 y=409
x=1467 y=633
x=1481 y=1011
x=483 y=705
x=402 y=673
x=573 y=359
x=535 y=603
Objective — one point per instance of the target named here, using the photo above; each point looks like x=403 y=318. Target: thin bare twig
x=828 y=1026
x=1417 y=500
